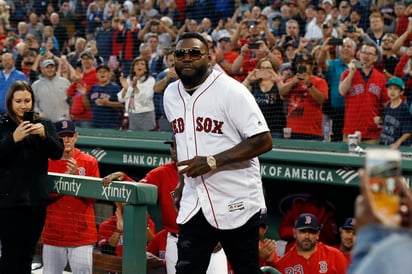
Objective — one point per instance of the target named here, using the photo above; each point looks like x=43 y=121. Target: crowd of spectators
x=324 y=35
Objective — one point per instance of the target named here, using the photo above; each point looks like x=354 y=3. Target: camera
x=254 y=45
x=360 y=64
x=301 y=69
x=350 y=29
x=335 y=42
x=251 y=23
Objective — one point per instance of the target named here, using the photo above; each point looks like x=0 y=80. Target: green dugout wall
x=289 y=160
x=291 y=168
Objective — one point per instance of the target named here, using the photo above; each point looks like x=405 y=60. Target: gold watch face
x=211 y=162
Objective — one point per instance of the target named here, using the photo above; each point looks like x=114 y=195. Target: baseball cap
x=344 y=4
x=328 y=1
x=349 y=223
x=291 y=2
x=285 y=66
x=277 y=15
x=65 y=126
x=48 y=62
x=87 y=53
x=102 y=66
x=224 y=37
x=291 y=43
x=307 y=221
x=396 y=81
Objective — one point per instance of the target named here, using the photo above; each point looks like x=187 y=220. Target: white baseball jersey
x=219 y=115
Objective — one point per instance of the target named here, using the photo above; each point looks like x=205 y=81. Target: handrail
x=136 y=196
x=289 y=160
x=270 y=269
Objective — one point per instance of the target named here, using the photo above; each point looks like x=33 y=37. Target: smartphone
x=301 y=69
x=251 y=23
x=360 y=64
x=335 y=42
x=28 y=116
x=42 y=51
x=350 y=29
x=383 y=169
x=113 y=60
x=243 y=8
x=254 y=45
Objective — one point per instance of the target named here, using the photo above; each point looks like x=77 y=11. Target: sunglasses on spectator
x=194 y=54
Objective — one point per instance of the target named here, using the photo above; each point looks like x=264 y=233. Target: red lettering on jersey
x=178 y=125
x=218 y=127
x=202 y=124
x=207 y=125
x=199 y=121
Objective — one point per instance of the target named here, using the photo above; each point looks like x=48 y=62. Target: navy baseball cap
x=307 y=221
x=65 y=126
x=349 y=223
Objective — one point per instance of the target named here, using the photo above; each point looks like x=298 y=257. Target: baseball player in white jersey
x=219 y=131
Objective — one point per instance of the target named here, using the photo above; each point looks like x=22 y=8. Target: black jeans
x=20 y=229
x=197 y=239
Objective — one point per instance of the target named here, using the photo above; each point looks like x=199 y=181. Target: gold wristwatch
x=211 y=161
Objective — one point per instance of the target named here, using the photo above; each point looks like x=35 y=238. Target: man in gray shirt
x=50 y=92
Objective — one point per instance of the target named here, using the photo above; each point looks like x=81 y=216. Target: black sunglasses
x=194 y=54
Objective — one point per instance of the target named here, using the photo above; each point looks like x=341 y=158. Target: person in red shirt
x=365 y=94
x=305 y=94
x=70 y=233
x=225 y=54
x=347 y=237
x=155 y=256
x=267 y=247
x=110 y=233
x=317 y=205
x=81 y=111
x=309 y=255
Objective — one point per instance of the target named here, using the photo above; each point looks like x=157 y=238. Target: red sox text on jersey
x=207 y=125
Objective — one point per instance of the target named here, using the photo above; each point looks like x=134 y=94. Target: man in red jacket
x=70 y=230
x=309 y=255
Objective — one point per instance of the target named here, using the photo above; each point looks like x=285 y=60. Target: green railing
x=136 y=196
x=289 y=160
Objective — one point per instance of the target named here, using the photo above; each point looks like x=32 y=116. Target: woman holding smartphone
x=263 y=83
x=25 y=147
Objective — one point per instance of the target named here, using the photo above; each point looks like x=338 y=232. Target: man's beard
x=192 y=80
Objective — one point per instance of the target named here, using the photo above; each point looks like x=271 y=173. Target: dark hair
x=17 y=86
x=194 y=35
x=371 y=45
x=133 y=74
x=266 y=60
